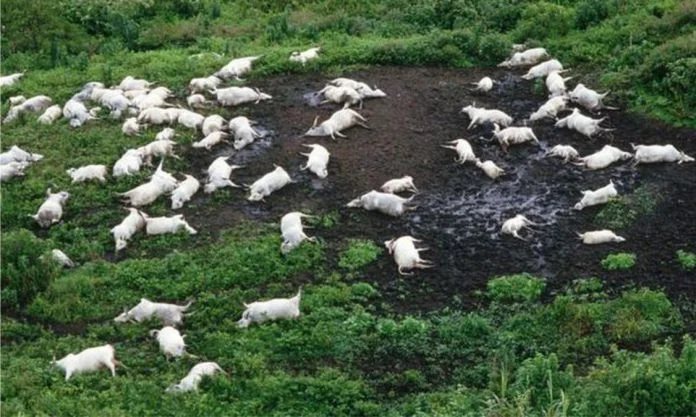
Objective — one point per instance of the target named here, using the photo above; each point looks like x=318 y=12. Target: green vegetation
x=358 y=254
x=582 y=352
x=642 y=50
x=687 y=260
x=619 y=261
x=521 y=287
x=622 y=212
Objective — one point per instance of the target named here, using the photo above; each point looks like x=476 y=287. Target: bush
x=520 y=287
x=616 y=261
x=359 y=254
x=27 y=268
x=543 y=20
x=687 y=260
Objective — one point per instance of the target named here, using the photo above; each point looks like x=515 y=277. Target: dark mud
x=460 y=210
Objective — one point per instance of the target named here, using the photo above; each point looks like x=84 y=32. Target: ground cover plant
x=499 y=327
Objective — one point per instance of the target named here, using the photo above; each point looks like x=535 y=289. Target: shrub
x=622 y=212
x=687 y=260
x=358 y=254
x=520 y=287
x=617 y=261
x=640 y=315
x=543 y=20
x=27 y=268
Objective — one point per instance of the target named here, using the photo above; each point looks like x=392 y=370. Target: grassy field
x=524 y=351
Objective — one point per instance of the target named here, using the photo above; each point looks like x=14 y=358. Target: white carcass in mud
x=244 y=134
x=550 y=109
x=340 y=120
x=514 y=225
x=489 y=167
x=271 y=310
x=183 y=193
x=480 y=116
x=586 y=126
x=234 y=96
x=598 y=196
x=600 y=236
x=317 y=160
x=293 y=232
x=399 y=185
x=273 y=181
x=171 y=342
x=463 y=148
x=566 y=152
x=588 y=98
x=513 y=135
x=406 y=255
x=603 y=158
x=649 y=154
x=386 y=203
x=544 y=69
x=484 y=85
x=219 y=175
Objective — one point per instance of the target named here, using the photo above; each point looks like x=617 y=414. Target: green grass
x=520 y=287
x=358 y=254
x=619 y=261
x=583 y=352
x=687 y=260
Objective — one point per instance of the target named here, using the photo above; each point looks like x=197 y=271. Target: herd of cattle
x=148 y=106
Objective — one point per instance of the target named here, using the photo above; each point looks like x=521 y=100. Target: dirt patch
x=459 y=209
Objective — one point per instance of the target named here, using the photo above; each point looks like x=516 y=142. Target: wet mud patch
x=460 y=210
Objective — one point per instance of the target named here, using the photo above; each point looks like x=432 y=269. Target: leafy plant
x=520 y=287
x=619 y=261
x=358 y=254
x=687 y=260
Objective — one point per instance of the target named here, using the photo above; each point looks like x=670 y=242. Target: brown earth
x=459 y=209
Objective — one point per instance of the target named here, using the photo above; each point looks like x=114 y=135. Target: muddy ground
x=460 y=210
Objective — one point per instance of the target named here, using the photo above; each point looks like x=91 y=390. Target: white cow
x=219 y=175
x=399 y=185
x=128 y=164
x=484 y=85
x=603 y=158
x=171 y=342
x=88 y=172
x=514 y=225
x=183 y=193
x=236 y=68
x=513 y=135
x=543 y=69
x=293 y=232
x=340 y=120
x=600 y=236
x=406 y=255
x=191 y=381
x=550 y=109
x=50 y=115
x=566 y=152
x=480 y=116
x=490 y=168
x=271 y=310
x=273 y=181
x=598 y=196
x=386 y=203
x=162 y=225
x=169 y=314
x=649 y=154
x=463 y=148
x=305 y=56
x=317 y=160
x=51 y=210
x=88 y=360
x=234 y=96
x=127 y=228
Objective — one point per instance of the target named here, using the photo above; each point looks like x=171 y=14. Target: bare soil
x=460 y=210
